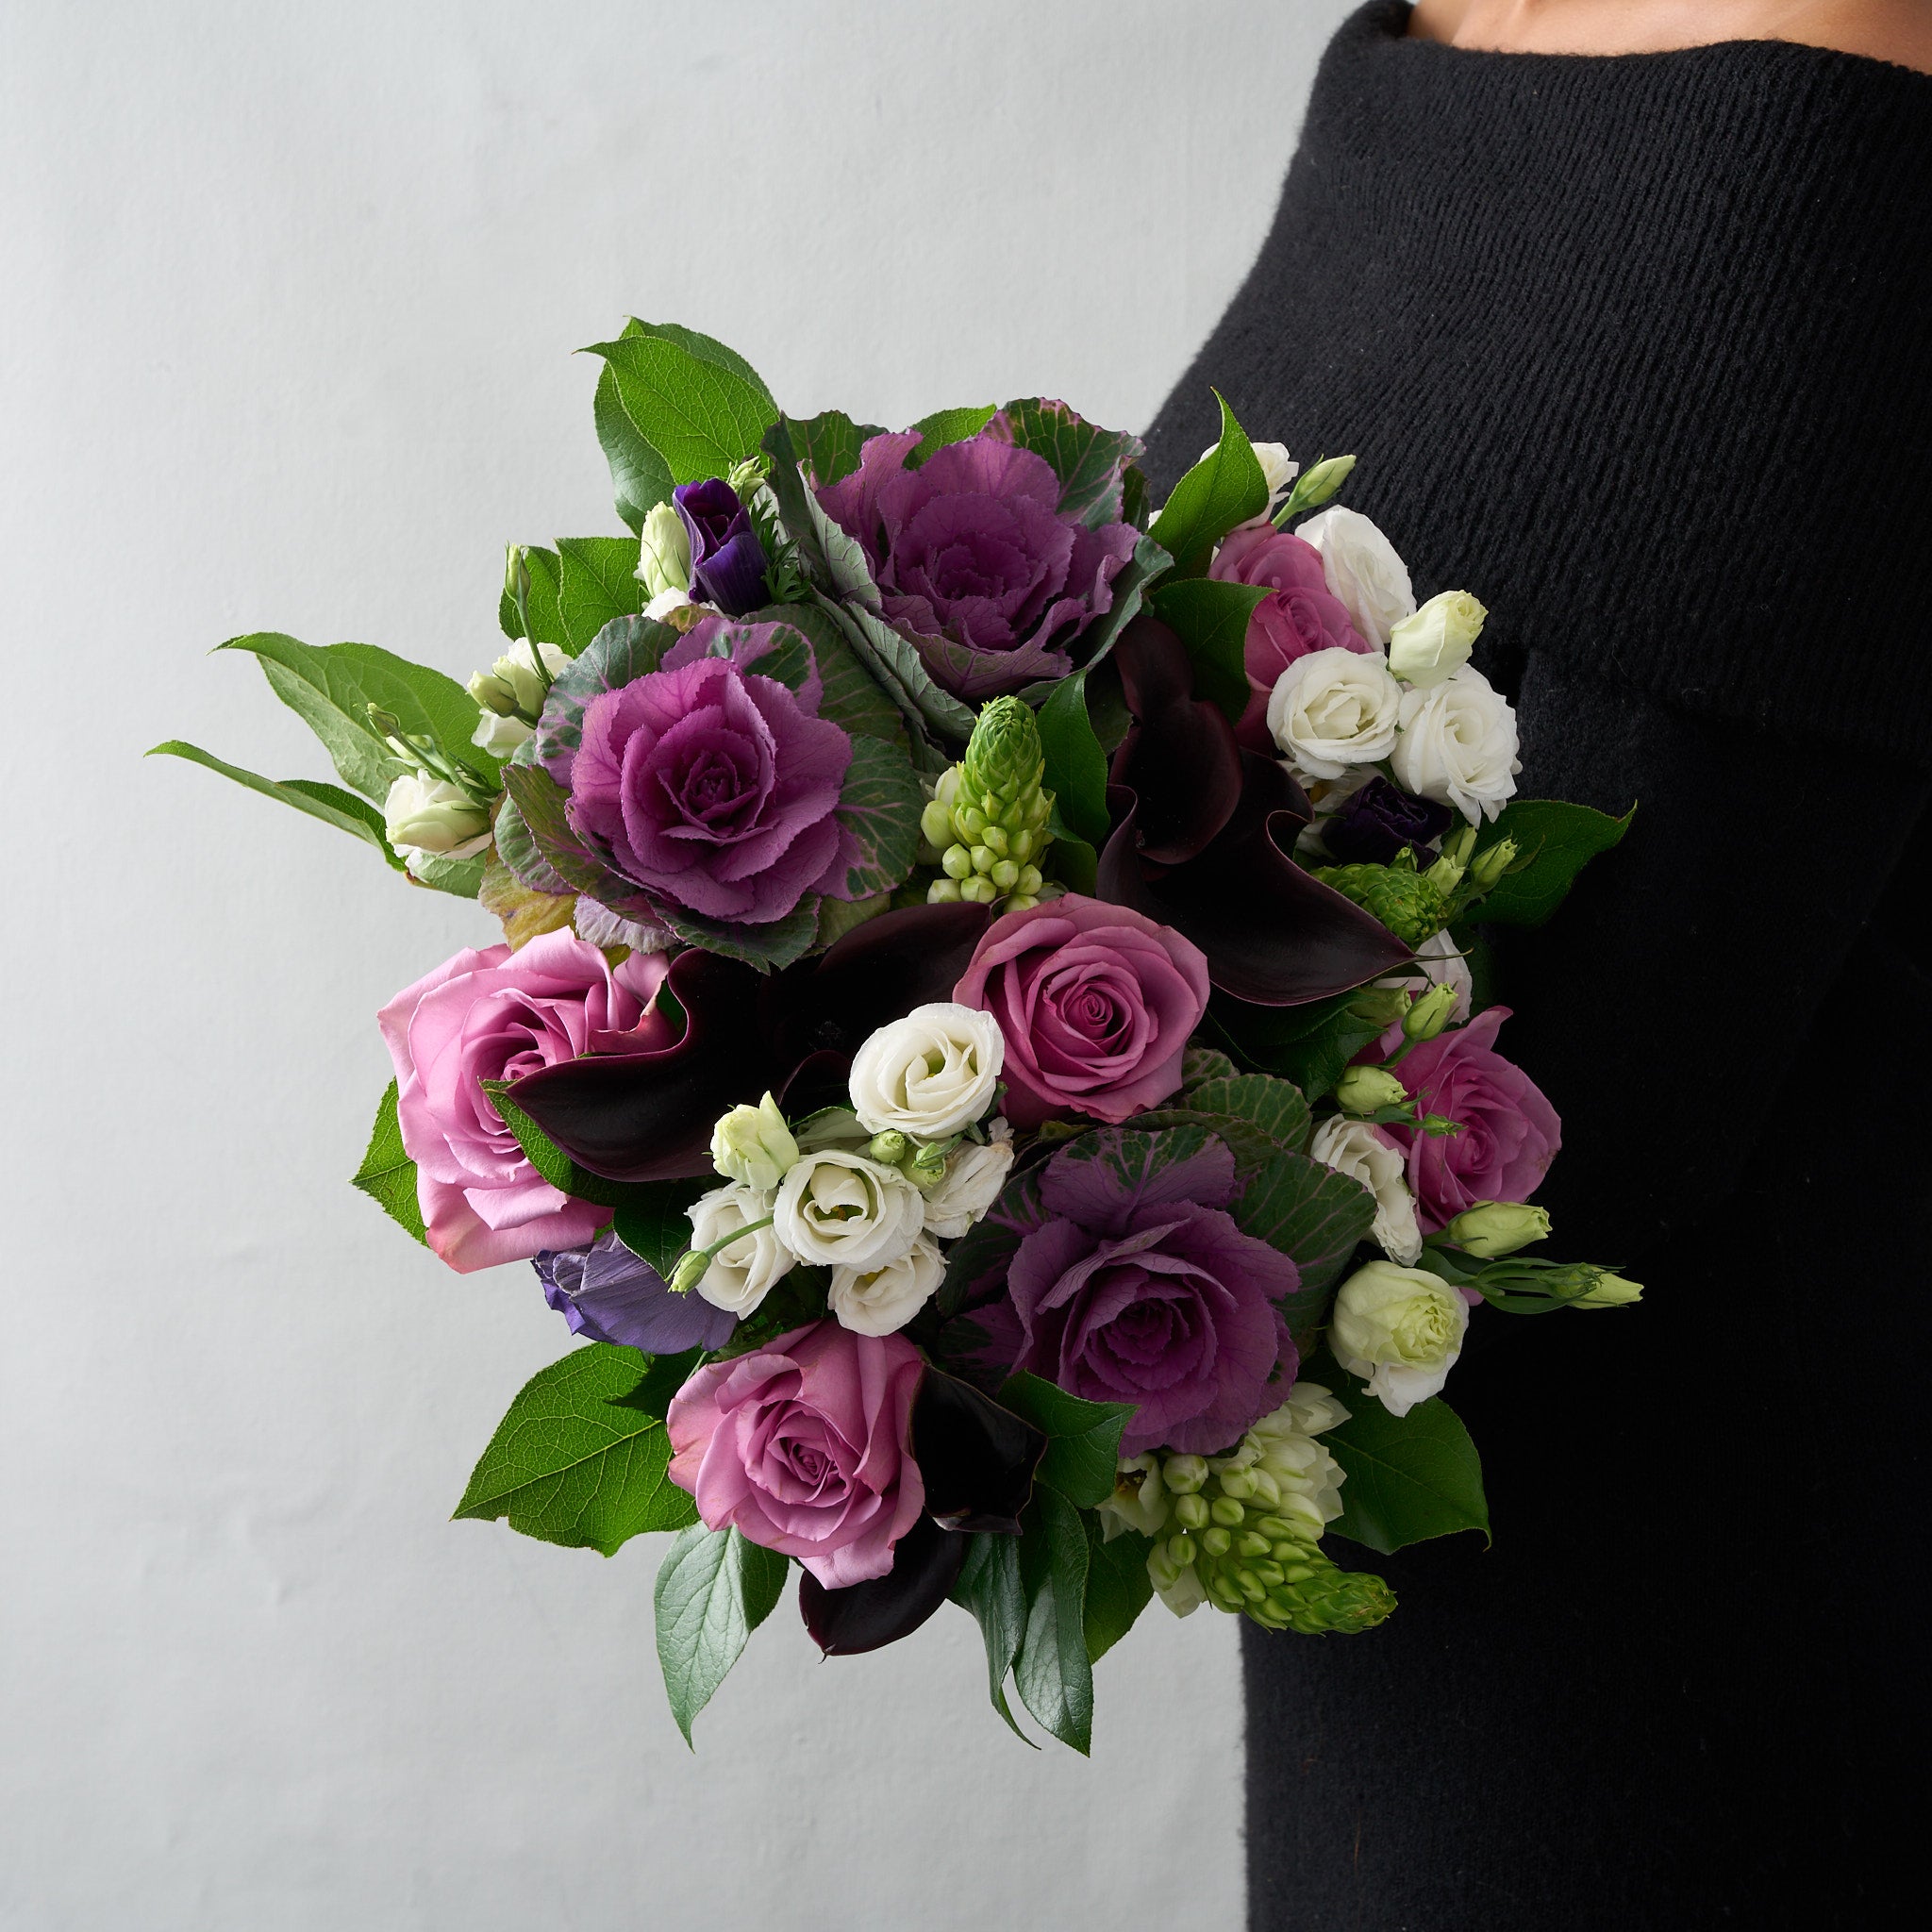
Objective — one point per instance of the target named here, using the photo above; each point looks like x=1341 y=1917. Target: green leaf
x=651 y=1220
x=1225 y=488
x=1118 y=1586
x=989 y=1586
x=639 y=475
x=1075 y=765
x=1558 y=840
x=573 y=1463
x=1313 y=1215
x=1147 y=562
x=1052 y=1670
x=542 y=602
x=944 y=426
x=540 y=802
x=896 y=667
x=597 y=582
x=1083 y=1438
x=829 y=444
x=697 y=403
x=1089 y=460
x=879 y=805
x=549 y=1159
x=1272 y=1108
x=1407 y=1478
x=1212 y=619
x=854 y=699
x=714 y=1589
x=463 y=877
x=1201 y=1064
x=770 y=947
x=333 y=806
x=388 y=1175
x=1308 y=1044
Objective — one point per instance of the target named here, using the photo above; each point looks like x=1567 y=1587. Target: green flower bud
x=754 y=1145
x=984 y=859
x=664 y=552
x=1006 y=876
x=888 y=1148
x=943 y=893
x=1191 y=1512
x=957 y=863
x=1313 y=488
x=981 y=892
x=928 y=1165
x=935 y=825
x=1491 y=863
x=426 y=814
x=1610 y=1291
x=1367 y=1089
x=690 y=1270
x=1185 y=1475
x=1494 y=1228
x=1434 y=643
x=493 y=693
x=1430 y=1013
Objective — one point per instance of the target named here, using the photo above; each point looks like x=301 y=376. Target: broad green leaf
x=1118 y=1586
x=896 y=667
x=714 y=1589
x=879 y=805
x=1210 y=618
x=698 y=408
x=944 y=426
x=524 y=913
x=1075 y=765
x=333 y=806
x=597 y=582
x=573 y=1463
x=651 y=1220
x=463 y=877
x=1308 y=1044
x=1313 y=1215
x=1083 y=1438
x=829 y=444
x=1089 y=460
x=388 y=1175
x=1558 y=840
x=854 y=699
x=1069 y=859
x=991 y=1588
x=1408 y=1477
x=542 y=603
x=1052 y=1670
x=639 y=475
x=1201 y=1064
x=1274 y=1109
x=705 y=348
x=1225 y=488
x=1127 y=589
x=770 y=948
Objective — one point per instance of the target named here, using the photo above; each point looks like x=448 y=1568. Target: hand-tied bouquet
x=988 y=1047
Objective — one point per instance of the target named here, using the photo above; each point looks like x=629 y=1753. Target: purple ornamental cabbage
x=1134 y=1285
x=608 y=1295
x=727 y=564
x=974 y=558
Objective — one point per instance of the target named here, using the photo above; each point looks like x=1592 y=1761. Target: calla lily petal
x=868 y=1616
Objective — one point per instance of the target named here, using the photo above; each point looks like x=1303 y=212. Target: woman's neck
x=1894 y=30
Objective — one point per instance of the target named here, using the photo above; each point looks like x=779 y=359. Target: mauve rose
x=1141 y=1289
x=1299 y=615
x=975 y=560
x=806 y=1445
x=497 y=1015
x=714 y=786
x=1376 y=821
x=1096 y=1003
x=1509 y=1134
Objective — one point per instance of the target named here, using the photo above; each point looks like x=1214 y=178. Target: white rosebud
x=1436 y=641
x=664 y=554
x=426 y=814
x=930 y=1074
x=754 y=1145
x=1276 y=465
x=1400 y=1329
x=1443 y=964
x=1366 y=1154
x=497 y=734
x=971 y=1184
x=881 y=1300
x=1362 y=570
x=1457 y=745
x=1334 y=708
x=739 y=1276
x=842 y=1210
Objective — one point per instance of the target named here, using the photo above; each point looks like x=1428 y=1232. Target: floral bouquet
x=987 y=1050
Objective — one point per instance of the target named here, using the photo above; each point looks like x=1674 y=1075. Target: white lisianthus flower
x=930 y=1074
x=1276 y=465
x=1400 y=1329
x=1443 y=964
x=664 y=554
x=842 y=1210
x=881 y=1300
x=754 y=1145
x=1435 y=641
x=1332 y=709
x=741 y=1275
x=1362 y=569
x=1457 y=745
x=972 y=1183
x=427 y=814
x=1365 y=1154
x=499 y=736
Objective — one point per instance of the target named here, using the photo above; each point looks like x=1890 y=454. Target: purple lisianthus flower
x=608 y=1295
x=1377 y=819
x=727 y=564
x=714 y=786
x=1136 y=1286
x=974 y=558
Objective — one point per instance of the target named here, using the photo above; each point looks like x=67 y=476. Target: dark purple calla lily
x=727 y=564
x=868 y=1616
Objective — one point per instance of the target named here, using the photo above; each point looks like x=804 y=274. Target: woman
x=1633 y=337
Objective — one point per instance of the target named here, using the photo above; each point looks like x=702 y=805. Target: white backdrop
x=288 y=295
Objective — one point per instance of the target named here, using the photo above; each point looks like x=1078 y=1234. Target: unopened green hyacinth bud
x=1494 y=1228
x=754 y=1145
x=1609 y=1292
x=664 y=552
x=1434 y=643
x=1491 y=863
x=1430 y=1013
x=1367 y=1089
x=1413 y=906
x=1314 y=486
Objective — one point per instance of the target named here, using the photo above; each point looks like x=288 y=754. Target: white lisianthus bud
x=1609 y=1292
x=1494 y=1228
x=1361 y=569
x=930 y=1074
x=842 y=1210
x=1334 y=708
x=754 y=1145
x=1400 y=1329
x=1443 y=964
x=497 y=734
x=1276 y=465
x=517 y=668
x=1432 y=642
x=492 y=694
x=971 y=1184
x=664 y=554
x=740 y=1275
x=1367 y=1089
x=1365 y=1155
x=881 y=1300
x=426 y=814
x=1457 y=745
x=1431 y=1014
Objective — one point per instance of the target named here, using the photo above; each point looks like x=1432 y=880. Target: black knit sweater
x=1639 y=350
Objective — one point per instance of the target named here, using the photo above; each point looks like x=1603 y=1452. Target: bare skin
x=1899 y=31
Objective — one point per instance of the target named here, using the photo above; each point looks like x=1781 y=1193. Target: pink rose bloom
x=1509 y=1134
x=1301 y=615
x=497 y=1015
x=806 y=1446
x=1096 y=1004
